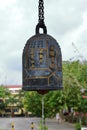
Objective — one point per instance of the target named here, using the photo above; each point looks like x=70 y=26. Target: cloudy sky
x=66 y=21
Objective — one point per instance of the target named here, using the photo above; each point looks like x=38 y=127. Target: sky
x=66 y=21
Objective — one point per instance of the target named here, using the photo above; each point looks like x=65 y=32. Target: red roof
x=14 y=86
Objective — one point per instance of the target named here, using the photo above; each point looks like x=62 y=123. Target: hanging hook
x=41 y=26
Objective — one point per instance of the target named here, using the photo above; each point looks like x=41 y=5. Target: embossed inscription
x=37 y=44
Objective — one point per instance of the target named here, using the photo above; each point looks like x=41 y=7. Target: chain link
x=41 y=23
x=41 y=11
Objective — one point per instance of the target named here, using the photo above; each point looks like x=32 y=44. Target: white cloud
x=6 y=3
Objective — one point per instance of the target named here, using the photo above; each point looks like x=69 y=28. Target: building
x=14 y=89
x=12 y=108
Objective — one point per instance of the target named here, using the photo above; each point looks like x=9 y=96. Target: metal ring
x=38 y=26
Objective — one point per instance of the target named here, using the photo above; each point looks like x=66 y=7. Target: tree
x=20 y=98
x=32 y=101
x=74 y=78
x=4 y=92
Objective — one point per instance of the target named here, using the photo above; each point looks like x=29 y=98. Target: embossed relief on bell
x=52 y=51
x=42 y=64
x=52 y=55
x=41 y=55
x=36 y=56
x=31 y=58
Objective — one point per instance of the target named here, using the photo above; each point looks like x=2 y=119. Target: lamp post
x=42 y=112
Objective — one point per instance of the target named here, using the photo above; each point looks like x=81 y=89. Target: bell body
x=42 y=64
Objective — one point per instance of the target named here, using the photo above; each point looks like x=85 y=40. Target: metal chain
x=41 y=23
x=41 y=11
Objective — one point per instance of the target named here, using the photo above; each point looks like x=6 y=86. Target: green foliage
x=45 y=127
x=20 y=98
x=32 y=103
x=54 y=102
x=78 y=126
x=41 y=127
x=74 y=76
x=84 y=121
x=4 y=93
